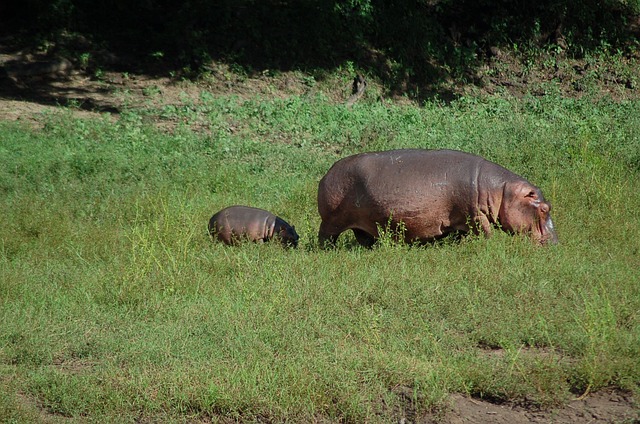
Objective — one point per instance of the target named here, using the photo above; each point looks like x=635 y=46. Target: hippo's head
x=288 y=235
x=524 y=210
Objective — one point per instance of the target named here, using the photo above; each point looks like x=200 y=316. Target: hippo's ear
x=532 y=194
x=532 y=198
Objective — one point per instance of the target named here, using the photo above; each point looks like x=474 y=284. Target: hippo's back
x=235 y=222
x=413 y=164
x=405 y=180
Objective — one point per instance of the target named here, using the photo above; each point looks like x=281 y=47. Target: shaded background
x=401 y=42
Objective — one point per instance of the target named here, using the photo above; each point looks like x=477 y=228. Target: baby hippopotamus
x=236 y=223
x=428 y=193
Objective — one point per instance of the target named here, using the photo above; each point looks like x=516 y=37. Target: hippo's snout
x=550 y=237
x=289 y=235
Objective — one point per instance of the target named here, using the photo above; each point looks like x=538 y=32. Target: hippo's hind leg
x=365 y=239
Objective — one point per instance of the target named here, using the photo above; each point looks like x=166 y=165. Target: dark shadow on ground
x=43 y=92
x=415 y=48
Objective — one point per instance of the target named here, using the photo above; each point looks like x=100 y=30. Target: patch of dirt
x=603 y=407
x=73 y=366
x=34 y=410
x=33 y=84
x=28 y=93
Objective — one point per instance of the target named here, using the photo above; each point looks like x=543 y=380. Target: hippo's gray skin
x=432 y=192
x=236 y=223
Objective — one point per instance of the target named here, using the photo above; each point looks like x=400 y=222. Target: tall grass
x=115 y=305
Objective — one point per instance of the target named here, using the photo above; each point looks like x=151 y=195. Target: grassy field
x=115 y=305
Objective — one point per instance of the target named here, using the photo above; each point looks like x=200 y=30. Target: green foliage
x=410 y=46
x=116 y=305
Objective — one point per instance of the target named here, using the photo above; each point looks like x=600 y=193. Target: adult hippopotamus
x=432 y=193
x=236 y=223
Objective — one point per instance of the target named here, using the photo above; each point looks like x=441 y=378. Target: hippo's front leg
x=328 y=234
x=481 y=222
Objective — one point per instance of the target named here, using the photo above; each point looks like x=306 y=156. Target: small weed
x=309 y=80
x=84 y=60
x=152 y=90
x=391 y=234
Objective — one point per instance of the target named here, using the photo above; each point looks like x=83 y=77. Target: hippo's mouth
x=547 y=232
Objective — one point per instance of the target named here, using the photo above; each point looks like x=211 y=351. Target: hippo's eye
x=531 y=194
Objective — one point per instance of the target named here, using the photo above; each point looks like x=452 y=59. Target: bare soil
x=33 y=85
x=602 y=407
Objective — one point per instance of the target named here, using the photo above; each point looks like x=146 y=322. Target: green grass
x=115 y=305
